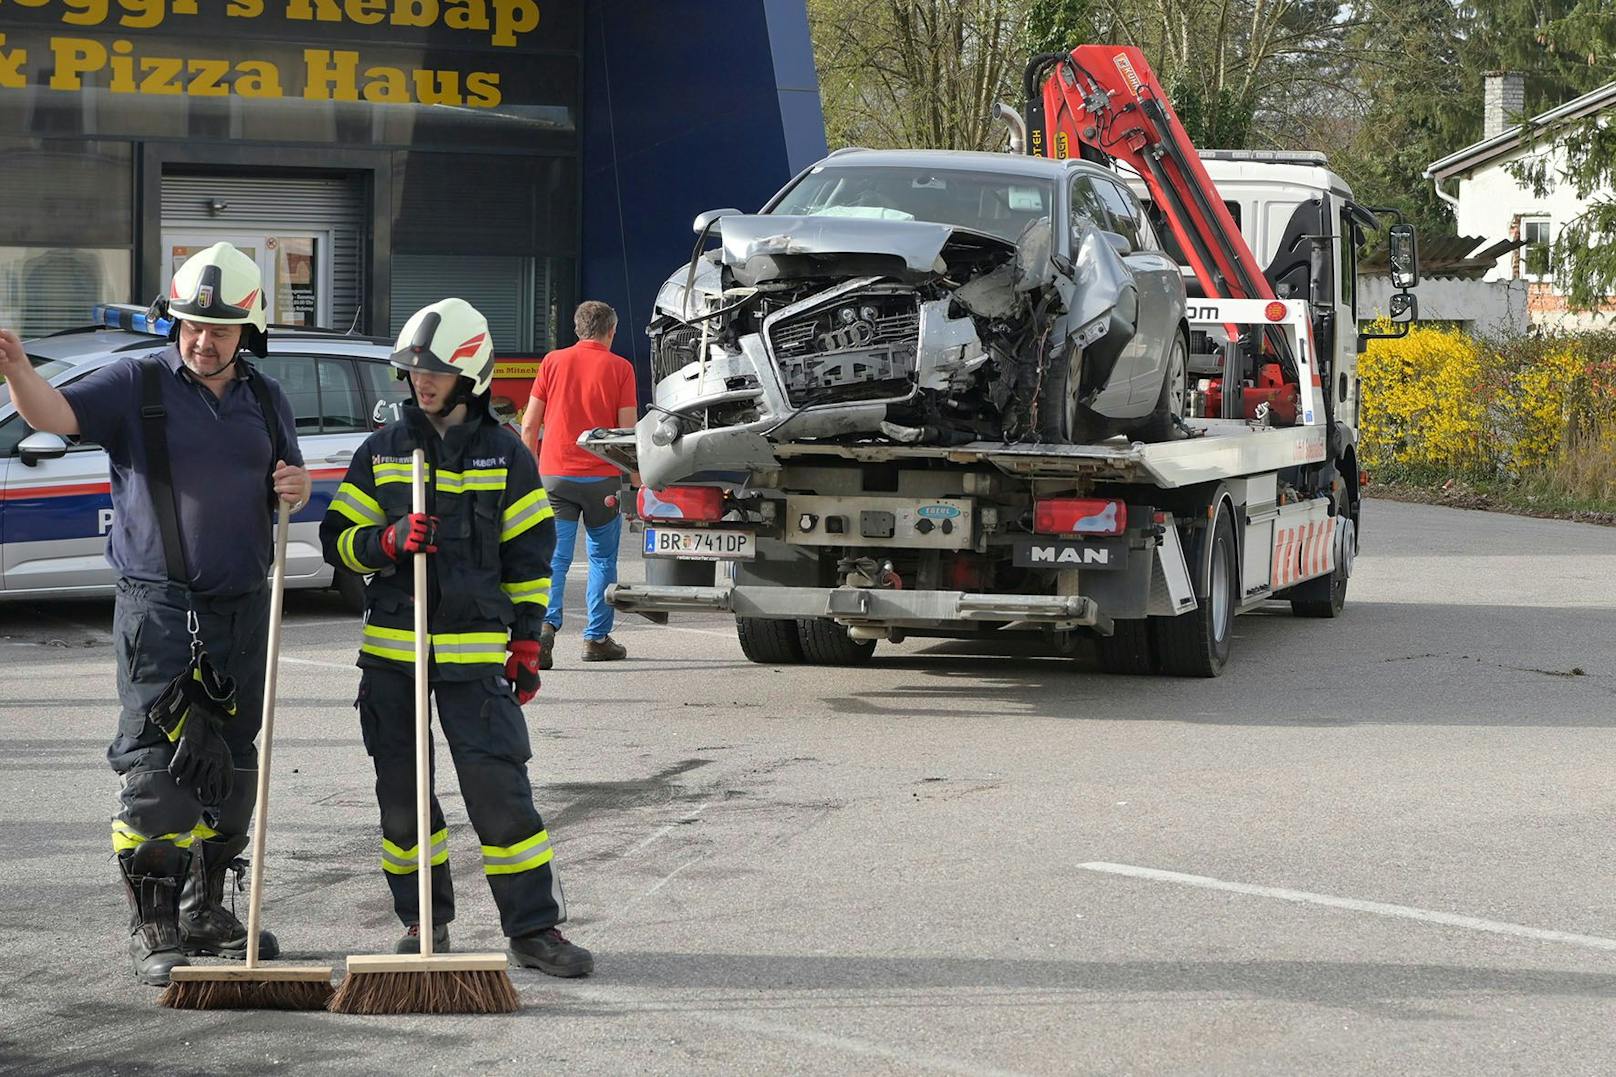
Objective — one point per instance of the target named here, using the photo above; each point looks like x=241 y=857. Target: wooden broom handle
x=266 y=734
x=423 y=735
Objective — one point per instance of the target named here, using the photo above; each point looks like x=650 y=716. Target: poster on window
x=295 y=281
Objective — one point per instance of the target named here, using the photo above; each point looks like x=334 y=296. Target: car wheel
x=1173 y=401
x=1060 y=419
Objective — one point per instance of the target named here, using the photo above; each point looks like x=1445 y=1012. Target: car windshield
x=999 y=205
x=48 y=369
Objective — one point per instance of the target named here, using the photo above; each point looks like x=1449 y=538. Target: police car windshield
x=999 y=205
x=49 y=369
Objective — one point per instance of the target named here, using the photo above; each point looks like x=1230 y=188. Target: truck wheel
x=1127 y=651
x=351 y=587
x=1327 y=596
x=826 y=643
x=1174 y=398
x=1197 y=644
x=769 y=641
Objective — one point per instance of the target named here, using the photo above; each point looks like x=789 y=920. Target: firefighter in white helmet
x=488 y=532
x=200 y=445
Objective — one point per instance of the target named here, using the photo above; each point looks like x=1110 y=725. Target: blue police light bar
x=128 y=316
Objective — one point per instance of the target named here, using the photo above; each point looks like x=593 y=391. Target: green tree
x=1580 y=43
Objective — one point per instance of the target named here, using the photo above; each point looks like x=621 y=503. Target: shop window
x=48 y=289
x=513 y=293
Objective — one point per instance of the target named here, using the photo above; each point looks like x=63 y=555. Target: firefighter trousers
x=488 y=741
x=153 y=646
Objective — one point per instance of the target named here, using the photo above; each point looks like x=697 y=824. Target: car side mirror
x=706 y=220
x=41 y=446
x=1403 y=307
x=1404 y=255
x=1119 y=242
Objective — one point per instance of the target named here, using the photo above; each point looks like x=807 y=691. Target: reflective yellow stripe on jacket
x=535 y=591
x=523 y=856
x=457 y=648
x=358 y=506
x=399 y=861
x=350 y=558
x=126 y=837
x=525 y=512
x=445 y=482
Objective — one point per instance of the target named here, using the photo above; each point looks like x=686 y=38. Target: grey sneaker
x=604 y=649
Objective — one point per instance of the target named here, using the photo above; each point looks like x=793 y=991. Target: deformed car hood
x=763 y=247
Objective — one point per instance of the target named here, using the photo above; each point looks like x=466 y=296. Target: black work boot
x=411 y=942
x=547 y=645
x=549 y=951
x=152 y=873
x=206 y=926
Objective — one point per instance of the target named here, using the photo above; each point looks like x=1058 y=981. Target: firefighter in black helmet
x=488 y=532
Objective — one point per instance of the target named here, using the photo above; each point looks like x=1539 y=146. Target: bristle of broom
x=480 y=991
x=246 y=995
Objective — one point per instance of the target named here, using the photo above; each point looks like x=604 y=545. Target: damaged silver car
x=917 y=297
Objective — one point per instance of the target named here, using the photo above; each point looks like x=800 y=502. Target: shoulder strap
x=159 y=476
x=266 y=404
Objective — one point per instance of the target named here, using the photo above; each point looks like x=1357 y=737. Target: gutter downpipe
x=1436 y=185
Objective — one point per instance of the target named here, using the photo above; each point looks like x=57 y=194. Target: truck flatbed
x=1219 y=449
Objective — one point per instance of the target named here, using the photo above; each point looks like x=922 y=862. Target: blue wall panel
x=688 y=105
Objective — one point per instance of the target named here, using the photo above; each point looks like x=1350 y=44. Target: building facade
x=375 y=155
x=1489 y=200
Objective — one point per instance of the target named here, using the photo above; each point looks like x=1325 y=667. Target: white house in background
x=1489 y=201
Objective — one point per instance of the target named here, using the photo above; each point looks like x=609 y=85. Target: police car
x=55 y=504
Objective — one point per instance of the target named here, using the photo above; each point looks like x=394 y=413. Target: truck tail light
x=1079 y=516
x=704 y=503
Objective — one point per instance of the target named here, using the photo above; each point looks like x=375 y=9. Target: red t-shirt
x=582 y=388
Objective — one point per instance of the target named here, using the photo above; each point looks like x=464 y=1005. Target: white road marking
x=669 y=829
x=1378 y=908
x=322 y=665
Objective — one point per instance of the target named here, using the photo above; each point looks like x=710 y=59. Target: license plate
x=700 y=544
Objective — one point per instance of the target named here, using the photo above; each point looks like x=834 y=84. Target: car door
x=54 y=517
x=332 y=423
x=1161 y=291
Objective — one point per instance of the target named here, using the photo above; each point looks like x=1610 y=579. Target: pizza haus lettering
x=147 y=66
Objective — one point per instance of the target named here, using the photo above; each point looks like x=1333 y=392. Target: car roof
x=1003 y=164
x=94 y=345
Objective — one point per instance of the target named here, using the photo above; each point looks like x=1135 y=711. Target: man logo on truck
x=1069 y=555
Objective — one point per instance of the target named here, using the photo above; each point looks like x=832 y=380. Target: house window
x=1535 y=254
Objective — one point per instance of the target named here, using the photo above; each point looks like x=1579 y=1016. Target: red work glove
x=412 y=534
x=522 y=668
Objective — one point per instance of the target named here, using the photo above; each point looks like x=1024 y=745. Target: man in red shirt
x=581 y=388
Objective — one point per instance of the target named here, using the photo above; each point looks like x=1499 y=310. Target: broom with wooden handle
x=425 y=982
x=251 y=987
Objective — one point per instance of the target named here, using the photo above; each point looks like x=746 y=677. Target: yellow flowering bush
x=1441 y=401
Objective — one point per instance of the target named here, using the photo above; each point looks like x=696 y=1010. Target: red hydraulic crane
x=1104 y=103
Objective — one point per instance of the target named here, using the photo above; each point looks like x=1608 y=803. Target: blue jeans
x=601 y=542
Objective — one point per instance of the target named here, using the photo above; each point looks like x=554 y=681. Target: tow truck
x=832 y=544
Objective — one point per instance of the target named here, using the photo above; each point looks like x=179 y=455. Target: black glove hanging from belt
x=192 y=711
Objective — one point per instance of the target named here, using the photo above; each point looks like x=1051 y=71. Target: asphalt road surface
x=1376 y=845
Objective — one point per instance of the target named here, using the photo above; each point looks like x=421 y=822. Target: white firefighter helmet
x=222 y=286
x=448 y=337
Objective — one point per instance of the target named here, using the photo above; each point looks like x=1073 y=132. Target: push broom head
x=225 y=987
x=410 y=983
